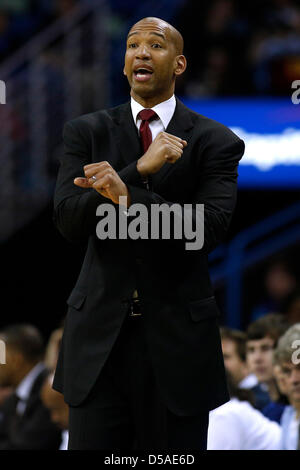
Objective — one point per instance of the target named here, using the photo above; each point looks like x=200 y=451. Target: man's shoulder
x=288 y=414
x=207 y=127
x=98 y=118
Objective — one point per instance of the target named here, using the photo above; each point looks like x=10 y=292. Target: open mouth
x=142 y=74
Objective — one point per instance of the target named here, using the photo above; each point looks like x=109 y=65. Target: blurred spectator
x=234 y=353
x=279 y=281
x=222 y=32
x=58 y=409
x=237 y=425
x=5 y=391
x=64 y=7
x=291 y=306
x=287 y=355
x=258 y=46
x=52 y=349
x=275 y=409
x=24 y=421
x=213 y=78
x=276 y=47
x=262 y=338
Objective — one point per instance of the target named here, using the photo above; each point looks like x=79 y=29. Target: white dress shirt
x=64 y=440
x=164 y=111
x=24 y=388
x=290 y=428
x=249 y=381
x=236 y=425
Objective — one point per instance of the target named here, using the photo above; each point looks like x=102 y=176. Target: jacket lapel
x=180 y=125
x=126 y=135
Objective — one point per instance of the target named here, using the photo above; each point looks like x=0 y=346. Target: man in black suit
x=25 y=422
x=141 y=363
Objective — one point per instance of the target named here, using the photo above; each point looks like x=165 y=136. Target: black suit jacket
x=33 y=430
x=173 y=283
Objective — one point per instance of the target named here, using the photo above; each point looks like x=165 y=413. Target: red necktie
x=146 y=116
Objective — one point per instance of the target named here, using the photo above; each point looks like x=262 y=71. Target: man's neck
x=151 y=102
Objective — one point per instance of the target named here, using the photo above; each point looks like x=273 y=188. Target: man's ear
x=124 y=71
x=181 y=64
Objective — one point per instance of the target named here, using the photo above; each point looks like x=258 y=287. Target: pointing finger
x=82 y=182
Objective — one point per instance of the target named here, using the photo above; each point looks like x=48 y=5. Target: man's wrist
x=141 y=169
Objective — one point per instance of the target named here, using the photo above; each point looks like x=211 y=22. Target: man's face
x=259 y=358
x=291 y=373
x=280 y=379
x=151 y=61
x=232 y=361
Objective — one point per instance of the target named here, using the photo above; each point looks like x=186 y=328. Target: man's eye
x=156 y=46
x=133 y=44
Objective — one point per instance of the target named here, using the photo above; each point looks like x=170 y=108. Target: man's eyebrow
x=152 y=32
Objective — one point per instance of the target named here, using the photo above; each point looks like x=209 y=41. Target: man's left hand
x=105 y=180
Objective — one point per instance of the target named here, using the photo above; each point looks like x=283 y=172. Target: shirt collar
x=24 y=388
x=249 y=381
x=164 y=110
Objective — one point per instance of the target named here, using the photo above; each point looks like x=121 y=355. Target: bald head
x=153 y=61
x=171 y=33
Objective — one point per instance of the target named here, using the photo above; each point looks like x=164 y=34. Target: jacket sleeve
x=74 y=207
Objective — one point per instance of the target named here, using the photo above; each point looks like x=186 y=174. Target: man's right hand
x=164 y=148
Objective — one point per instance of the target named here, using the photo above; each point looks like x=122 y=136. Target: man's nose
x=256 y=356
x=143 y=52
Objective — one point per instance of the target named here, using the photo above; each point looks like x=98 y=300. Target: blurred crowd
x=22 y=19
x=233 y=47
x=33 y=416
x=240 y=48
x=263 y=371
x=276 y=289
